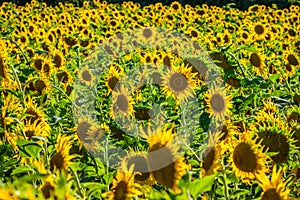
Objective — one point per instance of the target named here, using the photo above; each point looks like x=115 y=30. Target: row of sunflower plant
x=223 y=123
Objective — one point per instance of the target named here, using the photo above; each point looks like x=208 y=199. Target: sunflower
x=122 y=103
x=64 y=77
x=58 y=58
x=227 y=130
x=211 y=161
x=57 y=187
x=86 y=76
x=48 y=187
x=23 y=39
x=33 y=113
x=123 y=185
x=36 y=129
x=291 y=62
x=246 y=157
x=269 y=111
x=94 y=134
x=243 y=37
x=166 y=167
x=3 y=69
x=142 y=174
x=295 y=130
x=146 y=35
x=61 y=160
x=179 y=82
x=175 y=6
x=147 y=57
x=38 y=61
x=47 y=67
x=112 y=79
x=140 y=162
x=42 y=85
x=8 y=194
x=274 y=188
x=275 y=137
x=257 y=61
x=84 y=125
x=219 y=104
x=259 y=31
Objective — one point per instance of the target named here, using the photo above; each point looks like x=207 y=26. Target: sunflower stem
x=95 y=163
x=59 y=89
x=106 y=158
x=19 y=83
x=286 y=82
x=20 y=50
x=80 y=190
x=223 y=178
x=239 y=64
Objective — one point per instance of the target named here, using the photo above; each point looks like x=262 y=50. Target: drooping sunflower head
x=218 y=103
x=246 y=157
x=85 y=124
x=58 y=59
x=64 y=77
x=179 y=82
x=36 y=129
x=112 y=79
x=61 y=160
x=275 y=138
x=165 y=165
x=293 y=115
x=269 y=111
x=257 y=61
x=33 y=113
x=140 y=165
x=211 y=162
x=48 y=187
x=38 y=62
x=3 y=66
x=295 y=131
x=123 y=185
x=274 y=189
x=158 y=137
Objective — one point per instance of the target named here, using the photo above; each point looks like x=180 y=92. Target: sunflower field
x=123 y=101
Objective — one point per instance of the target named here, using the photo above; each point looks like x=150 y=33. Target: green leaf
x=29 y=148
x=274 y=77
x=238 y=193
x=21 y=169
x=202 y=185
x=248 y=48
x=108 y=177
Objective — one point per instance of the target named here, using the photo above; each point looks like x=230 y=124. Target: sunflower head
x=112 y=79
x=211 y=162
x=275 y=139
x=86 y=76
x=246 y=158
x=166 y=167
x=179 y=82
x=274 y=188
x=123 y=185
x=122 y=104
x=218 y=103
x=61 y=160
